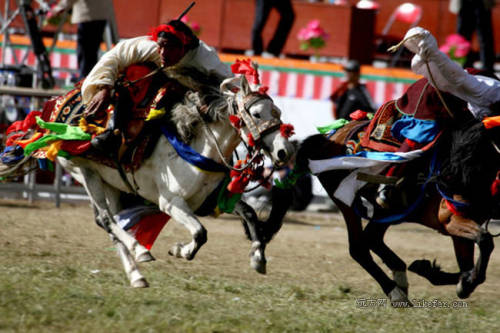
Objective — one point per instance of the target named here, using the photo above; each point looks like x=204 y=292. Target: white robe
x=142 y=49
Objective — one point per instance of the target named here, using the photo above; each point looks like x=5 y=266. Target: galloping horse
x=177 y=187
x=479 y=166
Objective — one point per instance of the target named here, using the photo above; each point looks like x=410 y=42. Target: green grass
x=48 y=284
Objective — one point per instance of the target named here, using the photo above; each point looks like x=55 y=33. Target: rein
x=219 y=150
x=257 y=131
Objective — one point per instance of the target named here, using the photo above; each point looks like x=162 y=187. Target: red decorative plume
x=287 y=130
x=235 y=121
x=153 y=34
x=245 y=67
x=251 y=141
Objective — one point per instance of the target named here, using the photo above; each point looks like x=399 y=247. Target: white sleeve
x=124 y=54
x=207 y=60
x=479 y=91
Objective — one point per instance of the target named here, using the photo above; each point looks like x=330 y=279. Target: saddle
x=141 y=89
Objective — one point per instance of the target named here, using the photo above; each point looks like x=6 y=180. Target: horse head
x=258 y=119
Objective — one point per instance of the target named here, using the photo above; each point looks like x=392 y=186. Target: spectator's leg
x=287 y=16
x=89 y=38
x=485 y=35
x=262 y=9
x=466 y=23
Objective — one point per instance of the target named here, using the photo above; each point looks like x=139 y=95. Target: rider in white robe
x=479 y=91
x=172 y=47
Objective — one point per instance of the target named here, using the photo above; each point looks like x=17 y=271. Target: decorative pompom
x=495 y=186
x=251 y=141
x=263 y=90
x=358 y=115
x=287 y=130
x=237 y=185
x=235 y=121
x=245 y=67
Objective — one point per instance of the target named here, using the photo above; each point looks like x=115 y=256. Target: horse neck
x=226 y=136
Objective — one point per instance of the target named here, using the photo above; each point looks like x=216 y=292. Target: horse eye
x=257 y=115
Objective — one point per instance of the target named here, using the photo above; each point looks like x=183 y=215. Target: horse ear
x=230 y=86
x=245 y=86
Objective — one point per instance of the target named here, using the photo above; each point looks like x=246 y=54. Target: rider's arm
x=124 y=54
x=206 y=59
x=479 y=91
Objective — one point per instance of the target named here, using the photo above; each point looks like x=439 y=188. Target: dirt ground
x=310 y=252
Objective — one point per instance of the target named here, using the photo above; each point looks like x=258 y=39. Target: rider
x=480 y=93
x=172 y=48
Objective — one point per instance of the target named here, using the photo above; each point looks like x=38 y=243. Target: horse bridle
x=257 y=130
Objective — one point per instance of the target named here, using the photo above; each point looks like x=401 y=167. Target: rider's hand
x=99 y=103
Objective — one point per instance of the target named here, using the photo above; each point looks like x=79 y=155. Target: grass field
x=59 y=273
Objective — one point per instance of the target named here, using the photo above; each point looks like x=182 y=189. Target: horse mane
x=187 y=116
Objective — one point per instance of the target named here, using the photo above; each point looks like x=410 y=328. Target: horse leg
x=374 y=234
x=179 y=210
x=360 y=252
x=471 y=278
x=96 y=191
x=261 y=233
x=257 y=251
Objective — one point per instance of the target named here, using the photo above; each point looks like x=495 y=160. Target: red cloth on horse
x=148 y=229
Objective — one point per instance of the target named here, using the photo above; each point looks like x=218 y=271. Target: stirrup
x=383 y=196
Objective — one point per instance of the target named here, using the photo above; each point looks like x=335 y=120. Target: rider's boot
x=110 y=140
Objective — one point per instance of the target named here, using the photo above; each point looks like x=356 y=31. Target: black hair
x=192 y=41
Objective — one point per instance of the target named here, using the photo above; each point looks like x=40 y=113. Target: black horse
x=463 y=164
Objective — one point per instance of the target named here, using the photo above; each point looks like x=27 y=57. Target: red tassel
x=495 y=186
x=263 y=90
x=235 y=121
x=251 y=141
x=287 y=130
x=237 y=185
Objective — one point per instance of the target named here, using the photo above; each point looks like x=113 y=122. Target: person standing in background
x=351 y=95
x=287 y=17
x=475 y=15
x=91 y=16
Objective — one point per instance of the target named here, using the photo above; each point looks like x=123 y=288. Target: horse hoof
x=140 y=283
x=258 y=265
x=399 y=299
x=175 y=251
x=462 y=292
x=466 y=284
x=145 y=257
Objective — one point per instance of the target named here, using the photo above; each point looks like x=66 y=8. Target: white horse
x=176 y=186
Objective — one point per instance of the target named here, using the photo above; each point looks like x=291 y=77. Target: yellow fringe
x=54 y=149
x=90 y=128
x=155 y=114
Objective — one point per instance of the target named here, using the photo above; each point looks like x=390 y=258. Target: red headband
x=169 y=30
